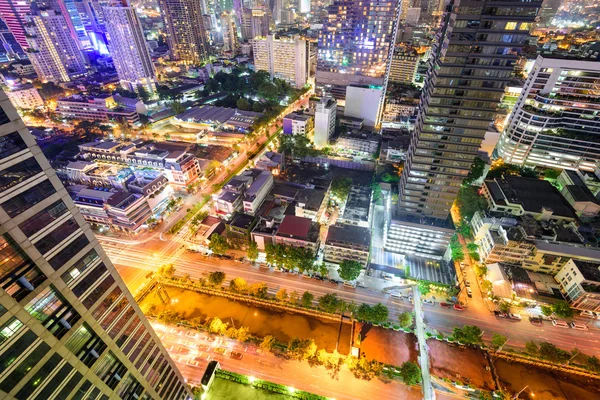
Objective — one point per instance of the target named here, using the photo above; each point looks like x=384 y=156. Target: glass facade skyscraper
x=69 y=328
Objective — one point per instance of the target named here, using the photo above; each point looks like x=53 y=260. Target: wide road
x=192 y=351
x=436 y=317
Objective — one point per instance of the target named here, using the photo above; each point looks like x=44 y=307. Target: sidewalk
x=428 y=393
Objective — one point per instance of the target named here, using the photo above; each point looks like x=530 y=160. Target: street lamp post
x=521 y=391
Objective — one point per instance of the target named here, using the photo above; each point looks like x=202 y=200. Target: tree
x=259 y=290
x=551 y=174
x=282 y=295
x=476 y=171
x=294 y=297
x=169 y=317
x=389 y=178
x=143 y=94
x=329 y=302
x=216 y=278
x=268 y=343
x=469 y=202
x=218 y=244
x=504 y=306
x=302 y=349
x=177 y=107
x=498 y=340
x=472 y=247
x=307 y=299
x=323 y=270
x=242 y=333
x=424 y=287
x=562 y=309
x=217 y=326
x=349 y=270
x=546 y=310
x=465 y=230
x=243 y=104
x=340 y=188
x=166 y=271
x=553 y=353
x=532 y=348
x=405 y=320
x=252 y=252
x=593 y=363
x=379 y=313
x=212 y=86
x=364 y=312
x=468 y=334
x=362 y=368
x=238 y=285
x=268 y=90
x=410 y=373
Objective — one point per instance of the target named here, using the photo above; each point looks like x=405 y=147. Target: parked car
x=536 y=320
x=581 y=327
x=430 y=302
x=560 y=324
x=590 y=314
x=469 y=292
x=467 y=283
x=319 y=278
x=444 y=304
x=499 y=314
x=236 y=355
x=458 y=307
x=514 y=316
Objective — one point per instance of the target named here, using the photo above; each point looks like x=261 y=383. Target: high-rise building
x=556 y=121
x=255 y=23
x=355 y=45
x=229 y=30
x=73 y=20
x=304 y=6
x=128 y=47
x=277 y=9
x=52 y=50
x=13 y=13
x=474 y=54
x=283 y=58
x=185 y=30
x=325 y=114
x=403 y=68
x=548 y=11
x=69 y=327
x=9 y=46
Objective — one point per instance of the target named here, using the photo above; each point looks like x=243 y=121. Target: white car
x=514 y=316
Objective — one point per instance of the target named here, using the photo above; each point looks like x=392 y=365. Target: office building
x=283 y=58
x=403 y=68
x=68 y=8
x=13 y=13
x=459 y=101
x=325 y=114
x=297 y=124
x=254 y=23
x=229 y=30
x=355 y=45
x=101 y=108
x=128 y=47
x=364 y=102
x=277 y=9
x=70 y=328
x=52 y=50
x=10 y=49
x=556 y=122
x=185 y=30
x=25 y=97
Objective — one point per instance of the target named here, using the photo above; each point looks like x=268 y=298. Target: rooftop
x=212 y=114
x=295 y=227
x=349 y=234
x=298 y=117
x=311 y=198
x=590 y=271
x=241 y=221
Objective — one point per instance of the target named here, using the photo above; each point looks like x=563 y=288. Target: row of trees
x=290 y=257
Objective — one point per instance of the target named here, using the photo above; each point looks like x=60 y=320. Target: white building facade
x=283 y=58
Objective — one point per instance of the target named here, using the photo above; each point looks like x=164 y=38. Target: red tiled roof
x=297 y=227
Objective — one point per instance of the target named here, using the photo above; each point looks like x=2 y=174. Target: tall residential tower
x=69 y=328
x=185 y=30
x=474 y=56
x=128 y=47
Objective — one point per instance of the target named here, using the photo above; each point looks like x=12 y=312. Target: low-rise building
x=298 y=232
x=519 y=196
x=258 y=190
x=580 y=284
x=271 y=161
x=325 y=114
x=101 y=108
x=311 y=203
x=362 y=144
x=25 y=97
x=217 y=118
x=297 y=124
x=228 y=203
x=264 y=232
x=347 y=242
x=578 y=195
x=357 y=210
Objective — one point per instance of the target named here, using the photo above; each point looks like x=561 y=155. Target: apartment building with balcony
x=556 y=121
x=580 y=284
x=347 y=242
x=101 y=108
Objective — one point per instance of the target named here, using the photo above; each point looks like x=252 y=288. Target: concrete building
x=580 y=283
x=325 y=114
x=556 y=123
x=102 y=108
x=517 y=196
x=578 y=195
x=258 y=190
x=297 y=124
x=283 y=58
x=71 y=328
x=53 y=52
x=360 y=144
x=14 y=14
x=128 y=47
x=186 y=34
x=229 y=30
x=458 y=105
x=364 y=102
x=298 y=232
x=357 y=210
x=255 y=23
x=349 y=30
x=403 y=68
x=311 y=203
x=347 y=242
x=25 y=97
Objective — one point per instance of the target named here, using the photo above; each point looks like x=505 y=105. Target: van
x=581 y=327
x=560 y=324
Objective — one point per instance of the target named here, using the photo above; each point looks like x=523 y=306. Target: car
x=236 y=355
x=430 y=302
x=444 y=304
x=361 y=285
x=192 y=335
x=514 y=316
x=387 y=277
x=458 y=307
x=203 y=347
x=396 y=295
x=334 y=281
x=263 y=266
x=560 y=324
x=192 y=363
x=220 y=350
x=469 y=292
x=319 y=278
x=499 y=314
x=462 y=264
x=581 y=327
x=176 y=331
x=467 y=283
x=590 y=314
x=536 y=320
